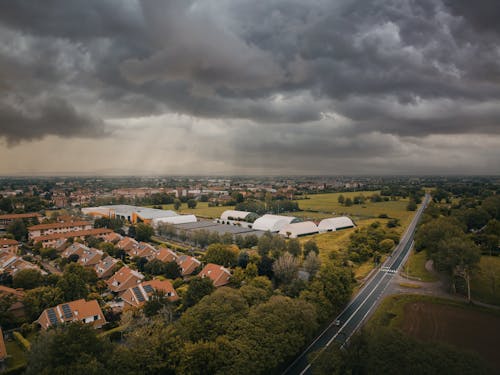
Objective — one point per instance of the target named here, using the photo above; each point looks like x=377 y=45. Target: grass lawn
x=415 y=267
x=17 y=356
x=485 y=285
x=201 y=210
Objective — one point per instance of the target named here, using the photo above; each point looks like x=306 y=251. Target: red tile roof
x=19 y=216
x=77 y=233
x=59 y=225
x=79 y=310
x=218 y=274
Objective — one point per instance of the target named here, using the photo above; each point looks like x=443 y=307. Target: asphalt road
x=362 y=305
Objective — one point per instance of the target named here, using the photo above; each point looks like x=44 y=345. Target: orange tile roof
x=3 y=349
x=166 y=255
x=19 y=293
x=218 y=274
x=188 y=264
x=77 y=233
x=123 y=279
x=79 y=310
x=19 y=216
x=58 y=225
x=8 y=242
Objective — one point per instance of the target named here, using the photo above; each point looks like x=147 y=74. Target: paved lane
x=362 y=305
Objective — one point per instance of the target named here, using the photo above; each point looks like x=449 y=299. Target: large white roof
x=127 y=211
x=236 y=215
x=272 y=223
x=295 y=230
x=180 y=219
x=335 y=223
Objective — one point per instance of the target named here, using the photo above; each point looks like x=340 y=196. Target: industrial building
x=135 y=214
x=273 y=223
x=295 y=230
x=335 y=223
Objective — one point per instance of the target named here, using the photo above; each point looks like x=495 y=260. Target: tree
x=143 y=232
x=38 y=299
x=155 y=267
x=225 y=255
x=348 y=202
x=386 y=245
x=341 y=199
x=264 y=244
x=177 y=204
x=459 y=257
x=197 y=289
x=309 y=246
x=18 y=229
x=286 y=268
x=73 y=287
x=312 y=263
x=69 y=349
x=412 y=205
x=28 y=279
x=191 y=203
x=294 y=247
x=213 y=315
x=172 y=270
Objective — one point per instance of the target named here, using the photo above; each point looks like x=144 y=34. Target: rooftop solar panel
x=148 y=288
x=67 y=311
x=138 y=294
x=52 y=316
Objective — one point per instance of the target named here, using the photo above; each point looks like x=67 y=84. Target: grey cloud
x=52 y=116
x=390 y=69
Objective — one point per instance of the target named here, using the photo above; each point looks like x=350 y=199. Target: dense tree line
x=388 y=352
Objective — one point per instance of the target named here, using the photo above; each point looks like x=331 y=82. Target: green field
x=485 y=284
x=201 y=210
x=319 y=206
x=415 y=267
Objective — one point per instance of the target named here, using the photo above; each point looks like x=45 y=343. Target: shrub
x=25 y=344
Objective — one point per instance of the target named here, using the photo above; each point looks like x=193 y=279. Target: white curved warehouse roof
x=295 y=230
x=236 y=215
x=335 y=223
x=179 y=219
x=272 y=223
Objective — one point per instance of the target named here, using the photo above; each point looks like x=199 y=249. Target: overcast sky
x=249 y=87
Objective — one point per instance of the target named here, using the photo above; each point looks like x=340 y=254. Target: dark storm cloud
x=369 y=72
x=483 y=15
x=49 y=117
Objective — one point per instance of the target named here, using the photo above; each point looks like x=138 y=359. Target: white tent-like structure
x=295 y=230
x=272 y=223
x=335 y=223
x=180 y=219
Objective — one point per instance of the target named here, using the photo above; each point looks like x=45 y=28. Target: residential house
x=17 y=307
x=88 y=312
x=188 y=264
x=139 y=294
x=166 y=255
x=59 y=227
x=12 y=264
x=143 y=250
x=112 y=237
x=127 y=244
x=123 y=279
x=105 y=267
x=12 y=246
x=218 y=274
x=87 y=257
x=6 y=219
x=53 y=240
